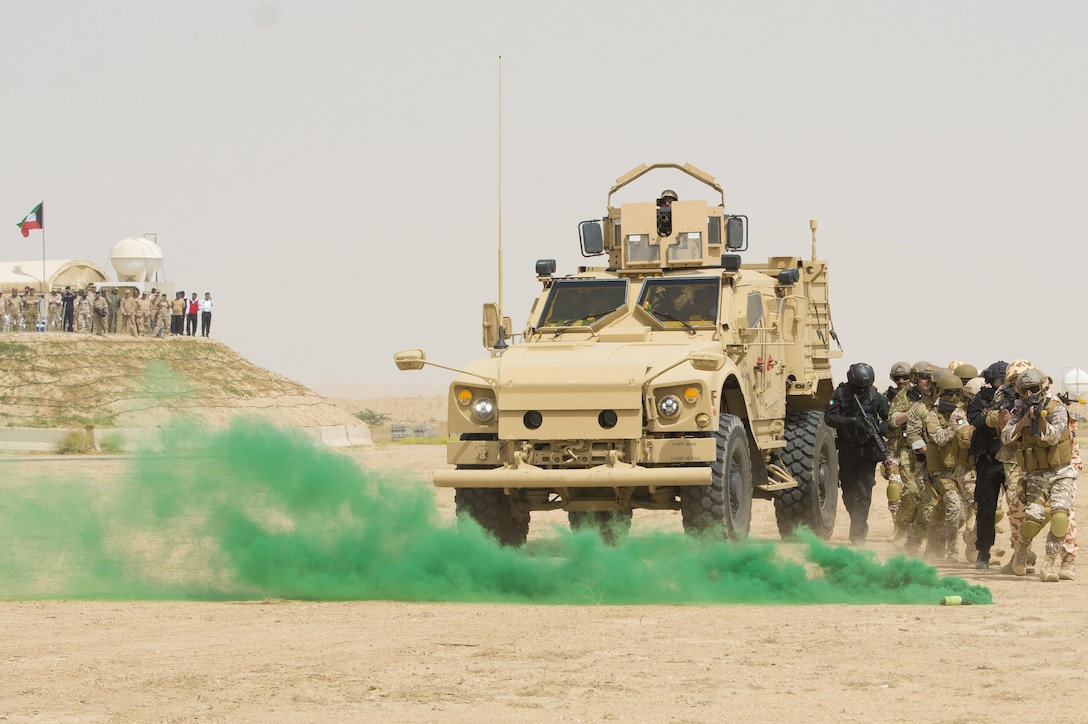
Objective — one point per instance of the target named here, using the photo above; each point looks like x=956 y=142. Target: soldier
x=53 y=306
x=15 y=311
x=989 y=471
x=666 y=198
x=946 y=462
x=1039 y=428
x=101 y=309
x=907 y=414
x=143 y=315
x=114 y=302
x=163 y=315
x=83 y=311
x=851 y=404
x=128 y=314
x=900 y=376
x=31 y=307
x=153 y=314
x=68 y=303
x=1004 y=399
x=968 y=372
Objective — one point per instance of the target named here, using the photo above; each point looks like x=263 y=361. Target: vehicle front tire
x=723 y=508
x=491 y=510
x=811 y=458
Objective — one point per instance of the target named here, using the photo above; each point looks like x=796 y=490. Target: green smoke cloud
x=253 y=512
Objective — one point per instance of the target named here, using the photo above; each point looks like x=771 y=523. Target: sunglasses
x=950 y=393
x=1031 y=390
x=900 y=378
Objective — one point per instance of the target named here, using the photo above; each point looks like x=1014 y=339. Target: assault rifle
x=872 y=432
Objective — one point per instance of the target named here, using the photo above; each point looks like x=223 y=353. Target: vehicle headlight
x=669 y=406
x=484 y=409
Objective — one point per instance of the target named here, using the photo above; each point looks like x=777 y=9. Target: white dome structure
x=1076 y=383
x=136 y=260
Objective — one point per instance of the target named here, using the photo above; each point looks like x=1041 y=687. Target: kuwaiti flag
x=33 y=220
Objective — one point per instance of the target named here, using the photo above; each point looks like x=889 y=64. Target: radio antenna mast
x=501 y=344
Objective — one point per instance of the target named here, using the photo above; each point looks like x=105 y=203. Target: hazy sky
x=329 y=170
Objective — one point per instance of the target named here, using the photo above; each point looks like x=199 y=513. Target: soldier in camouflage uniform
x=143 y=315
x=1039 y=429
x=13 y=310
x=114 y=302
x=52 y=323
x=908 y=413
x=164 y=315
x=1005 y=397
x=968 y=375
x=946 y=463
x=128 y=314
x=101 y=311
x=84 y=311
x=900 y=376
x=31 y=305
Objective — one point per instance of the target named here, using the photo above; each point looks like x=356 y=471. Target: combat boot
x=1048 y=572
x=1068 y=571
x=1019 y=564
x=982 y=562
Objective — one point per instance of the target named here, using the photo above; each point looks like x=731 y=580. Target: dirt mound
x=57 y=380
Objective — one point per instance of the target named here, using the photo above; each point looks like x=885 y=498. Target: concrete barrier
x=23 y=439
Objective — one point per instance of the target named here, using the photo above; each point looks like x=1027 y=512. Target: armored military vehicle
x=674 y=376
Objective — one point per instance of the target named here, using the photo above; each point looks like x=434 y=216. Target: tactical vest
x=946 y=457
x=1034 y=454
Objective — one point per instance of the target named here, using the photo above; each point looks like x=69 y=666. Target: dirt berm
x=58 y=380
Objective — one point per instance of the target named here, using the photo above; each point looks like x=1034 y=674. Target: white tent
x=59 y=273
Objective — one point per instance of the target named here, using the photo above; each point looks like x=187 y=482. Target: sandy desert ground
x=1021 y=658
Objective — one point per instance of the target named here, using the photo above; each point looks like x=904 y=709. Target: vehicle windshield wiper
x=666 y=315
x=568 y=323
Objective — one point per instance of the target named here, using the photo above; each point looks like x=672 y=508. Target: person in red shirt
x=191 y=312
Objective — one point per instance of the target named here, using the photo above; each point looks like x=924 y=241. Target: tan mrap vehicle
x=673 y=377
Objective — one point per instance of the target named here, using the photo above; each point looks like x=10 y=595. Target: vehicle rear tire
x=723 y=508
x=811 y=458
x=613 y=526
x=491 y=510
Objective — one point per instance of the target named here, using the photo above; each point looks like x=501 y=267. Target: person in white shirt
x=206 y=315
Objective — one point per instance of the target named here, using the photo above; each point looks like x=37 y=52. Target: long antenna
x=501 y=344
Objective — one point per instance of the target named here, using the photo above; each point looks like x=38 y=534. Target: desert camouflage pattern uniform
x=899 y=468
x=13 y=313
x=30 y=312
x=153 y=322
x=128 y=316
x=917 y=510
x=1049 y=480
x=84 y=312
x=52 y=323
x=143 y=315
x=164 y=315
x=946 y=463
x=101 y=310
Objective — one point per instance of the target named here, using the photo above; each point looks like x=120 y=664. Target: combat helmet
x=947 y=384
x=900 y=369
x=1031 y=385
x=954 y=364
x=995 y=371
x=965 y=372
x=667 y=195
x=1015 y=368
x=971 y=388
x=919 y=369
x=860 y=376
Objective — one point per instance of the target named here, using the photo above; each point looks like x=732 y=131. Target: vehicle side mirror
x=410 y=359
x=491 y=321
x=591 y=238
x=735 y=233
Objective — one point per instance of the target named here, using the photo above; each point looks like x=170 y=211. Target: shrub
x=112 y=444
x=371 y=418
x=75 y=442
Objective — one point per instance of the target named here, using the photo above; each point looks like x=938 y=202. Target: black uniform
x=68 y=300
x=858 y=452
x=989 y=472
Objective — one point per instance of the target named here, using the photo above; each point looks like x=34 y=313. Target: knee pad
x=1059 y=523
x=998 y=516
x=1029 y=529
x=894 y=491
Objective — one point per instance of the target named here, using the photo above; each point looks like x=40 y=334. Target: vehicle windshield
x=681 y=302
x=581 y=302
